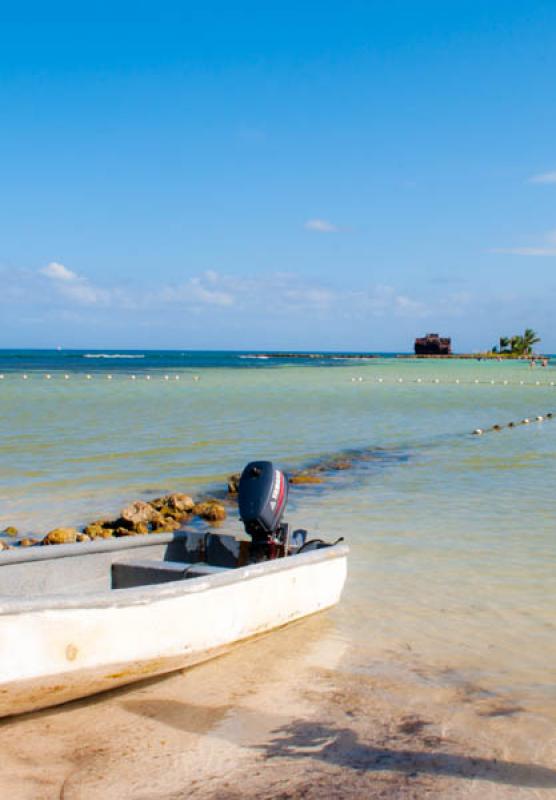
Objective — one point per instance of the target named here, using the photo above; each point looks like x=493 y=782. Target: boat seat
x=127 y=574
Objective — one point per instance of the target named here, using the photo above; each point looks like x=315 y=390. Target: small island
x=519 y=346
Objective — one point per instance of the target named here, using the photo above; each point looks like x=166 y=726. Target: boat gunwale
x=143 y=595
x=46 y=553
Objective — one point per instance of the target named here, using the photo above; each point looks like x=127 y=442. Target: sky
x=270 y=175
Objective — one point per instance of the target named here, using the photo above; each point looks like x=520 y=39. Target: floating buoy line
x=524 y=421
x=49 y=376
x=196 y=378
x=455 y=382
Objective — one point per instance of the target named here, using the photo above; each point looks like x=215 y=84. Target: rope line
x=524 y=421
x=166 y=378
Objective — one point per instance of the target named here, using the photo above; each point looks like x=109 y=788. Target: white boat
x=83 y=618
x=78 y=619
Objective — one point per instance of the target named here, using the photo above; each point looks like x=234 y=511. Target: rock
x=176 y=505
x=141 y=528
x=10 y=531
x=28 y=542
x=305 y=477
x=137 y=513
x=340 y=463
x=82 y=537
x=233 y=483
x=124 y=532
x=165 y=524
x=60 y=536
x=98 y=531
x=104 y=522
x=211 y=510
x=4 y=545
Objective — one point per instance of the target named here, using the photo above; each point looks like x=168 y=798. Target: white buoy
x=457 y=380
x=537 y=383
x=196 y=378
x=147 y=377
x=476 y=380
x=1 y=377
x=525 y=421
x=539 y=418
x=505 y=383
x=552 y=383
x=360 y=379
x=436 y=380
x=380 y=380
x=133 y=377
x=492 y=382
x=109 y=377
x=400 y=380
x=177 y=377
x=166 y=377
x=24 y=377
x=478 y=431
x=419 y=380
x=48 y=376
x=66 y=377
x=89 y=377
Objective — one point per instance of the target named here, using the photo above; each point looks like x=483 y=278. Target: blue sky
x=340 y=175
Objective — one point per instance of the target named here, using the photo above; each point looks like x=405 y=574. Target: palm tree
x=504 y=342
x=517 y=345
x=529 y=339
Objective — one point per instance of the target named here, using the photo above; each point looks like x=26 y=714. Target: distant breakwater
x=356 y=356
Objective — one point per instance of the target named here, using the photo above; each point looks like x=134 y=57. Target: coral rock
x=305 y=477
x=60 y=536
x=4 y=545
x=124 y=532
x=137 y=513
x=340 y=463
x=97 y=531
x=233 y=483
x=211 y=510
x=175 y=505
x=10 y=531
x=165 y=525
x=28 y=542
x=82 y=537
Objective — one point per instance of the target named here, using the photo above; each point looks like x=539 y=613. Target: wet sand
x=281 y=717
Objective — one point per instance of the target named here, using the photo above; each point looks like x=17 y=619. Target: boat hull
x=60 y=649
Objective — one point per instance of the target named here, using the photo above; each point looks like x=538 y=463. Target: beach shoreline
x=279 y=717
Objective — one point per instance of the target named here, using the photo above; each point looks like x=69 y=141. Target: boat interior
x=121 y=563
x=124 y=563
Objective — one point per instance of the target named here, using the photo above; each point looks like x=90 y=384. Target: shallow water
x=453 y=536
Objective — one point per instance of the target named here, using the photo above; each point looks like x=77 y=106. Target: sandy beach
x=279 y=717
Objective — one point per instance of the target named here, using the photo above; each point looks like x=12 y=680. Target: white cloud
x=209 y=296
x=525 y=251
x=74 y=287
x=321 y=226
x=544 y=177
x=56 y=290
x=547 y=249
x=208 y=289
x=58 y=272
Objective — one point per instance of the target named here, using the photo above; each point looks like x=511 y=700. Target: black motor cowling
x=263 y=494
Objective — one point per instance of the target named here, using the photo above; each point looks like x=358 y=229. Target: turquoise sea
x=452 y=535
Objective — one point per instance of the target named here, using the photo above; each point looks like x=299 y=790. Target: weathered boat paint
x=58 y=648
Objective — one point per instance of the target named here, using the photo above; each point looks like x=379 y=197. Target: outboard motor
x=263 y=494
